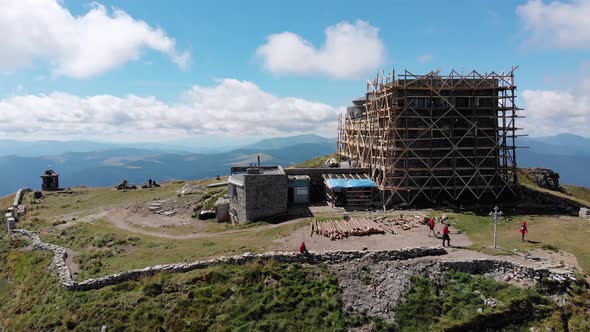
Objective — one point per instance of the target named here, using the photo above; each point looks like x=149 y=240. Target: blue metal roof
x=350 y=183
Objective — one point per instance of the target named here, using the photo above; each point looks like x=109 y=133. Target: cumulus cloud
x=231 y=107
x=76 y=46
x=552 y=112
x=557 y=24
x=349 y=51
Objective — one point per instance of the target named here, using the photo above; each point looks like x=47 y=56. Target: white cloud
x=552 y=112
x=76 y=46
x=349 y=51
x=557 y=24
x=231 y=108
x=424 y=58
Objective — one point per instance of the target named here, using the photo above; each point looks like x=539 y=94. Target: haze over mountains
x=105 y=164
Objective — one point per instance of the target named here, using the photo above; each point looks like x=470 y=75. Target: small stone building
x=50 y=180
x=256 y=193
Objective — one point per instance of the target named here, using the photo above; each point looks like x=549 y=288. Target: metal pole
x=495 y=231
x=496 y=214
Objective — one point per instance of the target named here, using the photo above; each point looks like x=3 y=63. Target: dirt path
x=123 y=218
x=129 y=220
x=415 y=237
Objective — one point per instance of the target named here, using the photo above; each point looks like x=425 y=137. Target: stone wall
x=283 y=257
x=266 y=195
x=59 y=256
x=237 y=203
x=11 y=216
x=20 y=194
x=334 y=257
x=331 y=258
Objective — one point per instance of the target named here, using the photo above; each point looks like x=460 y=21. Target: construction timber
x=436 y=138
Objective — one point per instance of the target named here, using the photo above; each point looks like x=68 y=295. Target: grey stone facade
x=258 y=194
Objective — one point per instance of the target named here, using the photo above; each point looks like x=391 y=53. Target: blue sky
x=185 y=49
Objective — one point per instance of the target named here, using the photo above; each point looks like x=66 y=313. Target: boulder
x=545 y=178
x=584 y=213
x=207 y=214
x=190 y=189
x=222 y=210
x=332 y=162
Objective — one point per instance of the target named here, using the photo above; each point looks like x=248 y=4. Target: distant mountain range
x=108 y=165
x=104 y=164
x=567 y=154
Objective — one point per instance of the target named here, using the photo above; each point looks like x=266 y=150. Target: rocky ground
x=376 y=288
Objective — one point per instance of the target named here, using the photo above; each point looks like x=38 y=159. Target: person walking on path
x=431 y=223
x=523 y=229
x=446 y=235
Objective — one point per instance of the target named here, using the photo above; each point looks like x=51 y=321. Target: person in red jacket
x=431 y=226
x=303 y=249
x=446 y=235
x=523 y=229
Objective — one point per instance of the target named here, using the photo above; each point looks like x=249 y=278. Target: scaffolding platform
x=436 y=137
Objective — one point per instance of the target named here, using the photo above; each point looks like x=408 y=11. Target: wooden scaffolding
x=435 y=137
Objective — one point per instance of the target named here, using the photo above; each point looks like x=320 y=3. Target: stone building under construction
x=435 y=138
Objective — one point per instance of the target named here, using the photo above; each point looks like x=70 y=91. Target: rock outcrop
x=378 y=287
x=544 y=178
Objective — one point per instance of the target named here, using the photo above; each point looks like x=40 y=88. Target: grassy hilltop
x=258 y=296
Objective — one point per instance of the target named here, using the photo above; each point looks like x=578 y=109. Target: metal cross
x=496 y=214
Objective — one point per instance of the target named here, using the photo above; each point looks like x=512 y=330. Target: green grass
x=6 y=202
x=254 y=297
x=104 y=249
x=453 y=305
x=569 y=233
x=316 y=162
x=85 y=200
x=580 y=193
x=576 y=194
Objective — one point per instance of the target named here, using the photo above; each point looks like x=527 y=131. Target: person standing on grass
x=446 y=235
x=523 y=229
x=431 y=223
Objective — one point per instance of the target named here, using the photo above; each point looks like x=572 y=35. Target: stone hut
x=256 y=193
x=50 y=180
